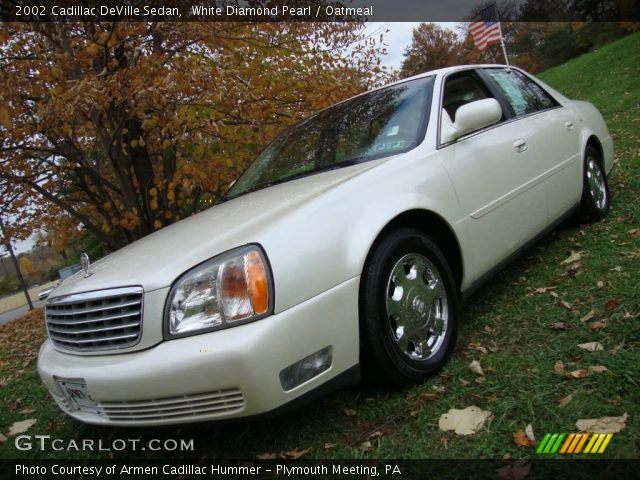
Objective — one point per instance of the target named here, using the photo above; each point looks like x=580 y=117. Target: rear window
x=523 y=94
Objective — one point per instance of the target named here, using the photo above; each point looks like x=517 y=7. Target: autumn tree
x=432 y=47
x=127 y=127
x=26 y=266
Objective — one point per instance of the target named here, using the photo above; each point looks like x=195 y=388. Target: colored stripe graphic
x=573 y=443
x=582 y=442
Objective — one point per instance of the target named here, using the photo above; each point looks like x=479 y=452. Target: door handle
x=569 y=125
x=520 y=145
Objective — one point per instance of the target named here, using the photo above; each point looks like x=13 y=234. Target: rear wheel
x=595 y=188
x=408 y=309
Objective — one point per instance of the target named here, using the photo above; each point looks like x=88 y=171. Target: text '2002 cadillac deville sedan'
x=347 y=244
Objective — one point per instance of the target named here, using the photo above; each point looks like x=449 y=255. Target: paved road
x=19 y=312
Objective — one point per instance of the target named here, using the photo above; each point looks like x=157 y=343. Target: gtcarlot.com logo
x=574 y=443
x=47 y=443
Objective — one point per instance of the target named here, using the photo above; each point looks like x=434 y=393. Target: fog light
x=306 y=369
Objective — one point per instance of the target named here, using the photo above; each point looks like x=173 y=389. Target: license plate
x=78 y=396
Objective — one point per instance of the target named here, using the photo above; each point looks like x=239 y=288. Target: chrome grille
x=100 y=320
x=221 y=401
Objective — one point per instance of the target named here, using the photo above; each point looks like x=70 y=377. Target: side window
x=523 y=94
x=460 y=90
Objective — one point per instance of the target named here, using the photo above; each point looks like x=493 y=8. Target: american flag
x=485 y=28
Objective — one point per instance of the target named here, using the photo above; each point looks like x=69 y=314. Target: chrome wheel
x=416 y=306
x=596 y=183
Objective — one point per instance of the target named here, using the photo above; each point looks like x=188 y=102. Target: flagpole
x=504 y=49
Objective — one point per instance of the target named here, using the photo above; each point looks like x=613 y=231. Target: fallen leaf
x=488 y=329
x=588 y=316
x=375 y=435
x=600 y=284
x=521 y=281
x=559 y=326
x=530 y=434
x=559 y=366
x=464 y=422
x=541 y=290
x=349 y=412
x=591 y=346
x=628 y=315
x=464 y=382
x=598 y=325
x=572 y=270
x=521 y=440
x=295 y=454
x=366 y=446
x=426 y=397
x=617 y=269
x=598 y=369
x=488 y=398
x=611 y=304
x=518 y=470
x=438 y=388
x=566 y=400
x=21 y=427
x=267 y=456
x=476 y=368
x=27 y=411
x=327 y=446
x=566 y=305
x=582 y=373
x=477 y=347
x=574 y=257
x=479 y=380
x=2 y=438
x=602 y=425
x=506 y=456
x=634 y=232
x=554 y=294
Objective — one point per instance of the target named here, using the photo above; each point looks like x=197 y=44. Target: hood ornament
x=84 y=263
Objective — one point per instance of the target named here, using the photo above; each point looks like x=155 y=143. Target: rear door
x=550 y=135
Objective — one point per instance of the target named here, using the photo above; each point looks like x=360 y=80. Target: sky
x=398 y=38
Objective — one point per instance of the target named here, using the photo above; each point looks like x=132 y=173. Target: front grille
x=221 y=401
x=100 y=320
x=169 y=408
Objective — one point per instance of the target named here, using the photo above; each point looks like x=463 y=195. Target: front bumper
x=226 y=374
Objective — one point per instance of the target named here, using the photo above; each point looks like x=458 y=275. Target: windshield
x=375 y=125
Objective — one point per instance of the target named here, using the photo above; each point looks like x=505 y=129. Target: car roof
x=444 y=71
x=430 y=73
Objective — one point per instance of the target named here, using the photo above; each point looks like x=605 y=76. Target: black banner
x=321 y=469
x=311 y=10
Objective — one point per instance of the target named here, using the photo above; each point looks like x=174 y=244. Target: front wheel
x=595 y=188
x=408 y=309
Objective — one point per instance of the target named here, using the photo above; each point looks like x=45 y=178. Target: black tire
x=594 y=205
x=383 y=360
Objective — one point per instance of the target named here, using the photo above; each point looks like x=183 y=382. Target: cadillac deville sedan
x=345 y=248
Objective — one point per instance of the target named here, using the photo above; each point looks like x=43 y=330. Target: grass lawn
x=507 y=327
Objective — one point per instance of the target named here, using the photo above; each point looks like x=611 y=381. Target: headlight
x=228 y=290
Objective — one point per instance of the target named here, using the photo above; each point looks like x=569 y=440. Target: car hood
x=157 y=260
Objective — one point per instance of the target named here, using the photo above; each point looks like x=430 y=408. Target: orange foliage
x=127 y=127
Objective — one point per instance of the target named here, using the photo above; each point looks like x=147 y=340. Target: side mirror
x=469 y=117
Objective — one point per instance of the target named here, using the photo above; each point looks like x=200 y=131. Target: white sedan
x=345 y=248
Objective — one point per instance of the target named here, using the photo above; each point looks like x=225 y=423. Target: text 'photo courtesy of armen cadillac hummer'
x=344 y=250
